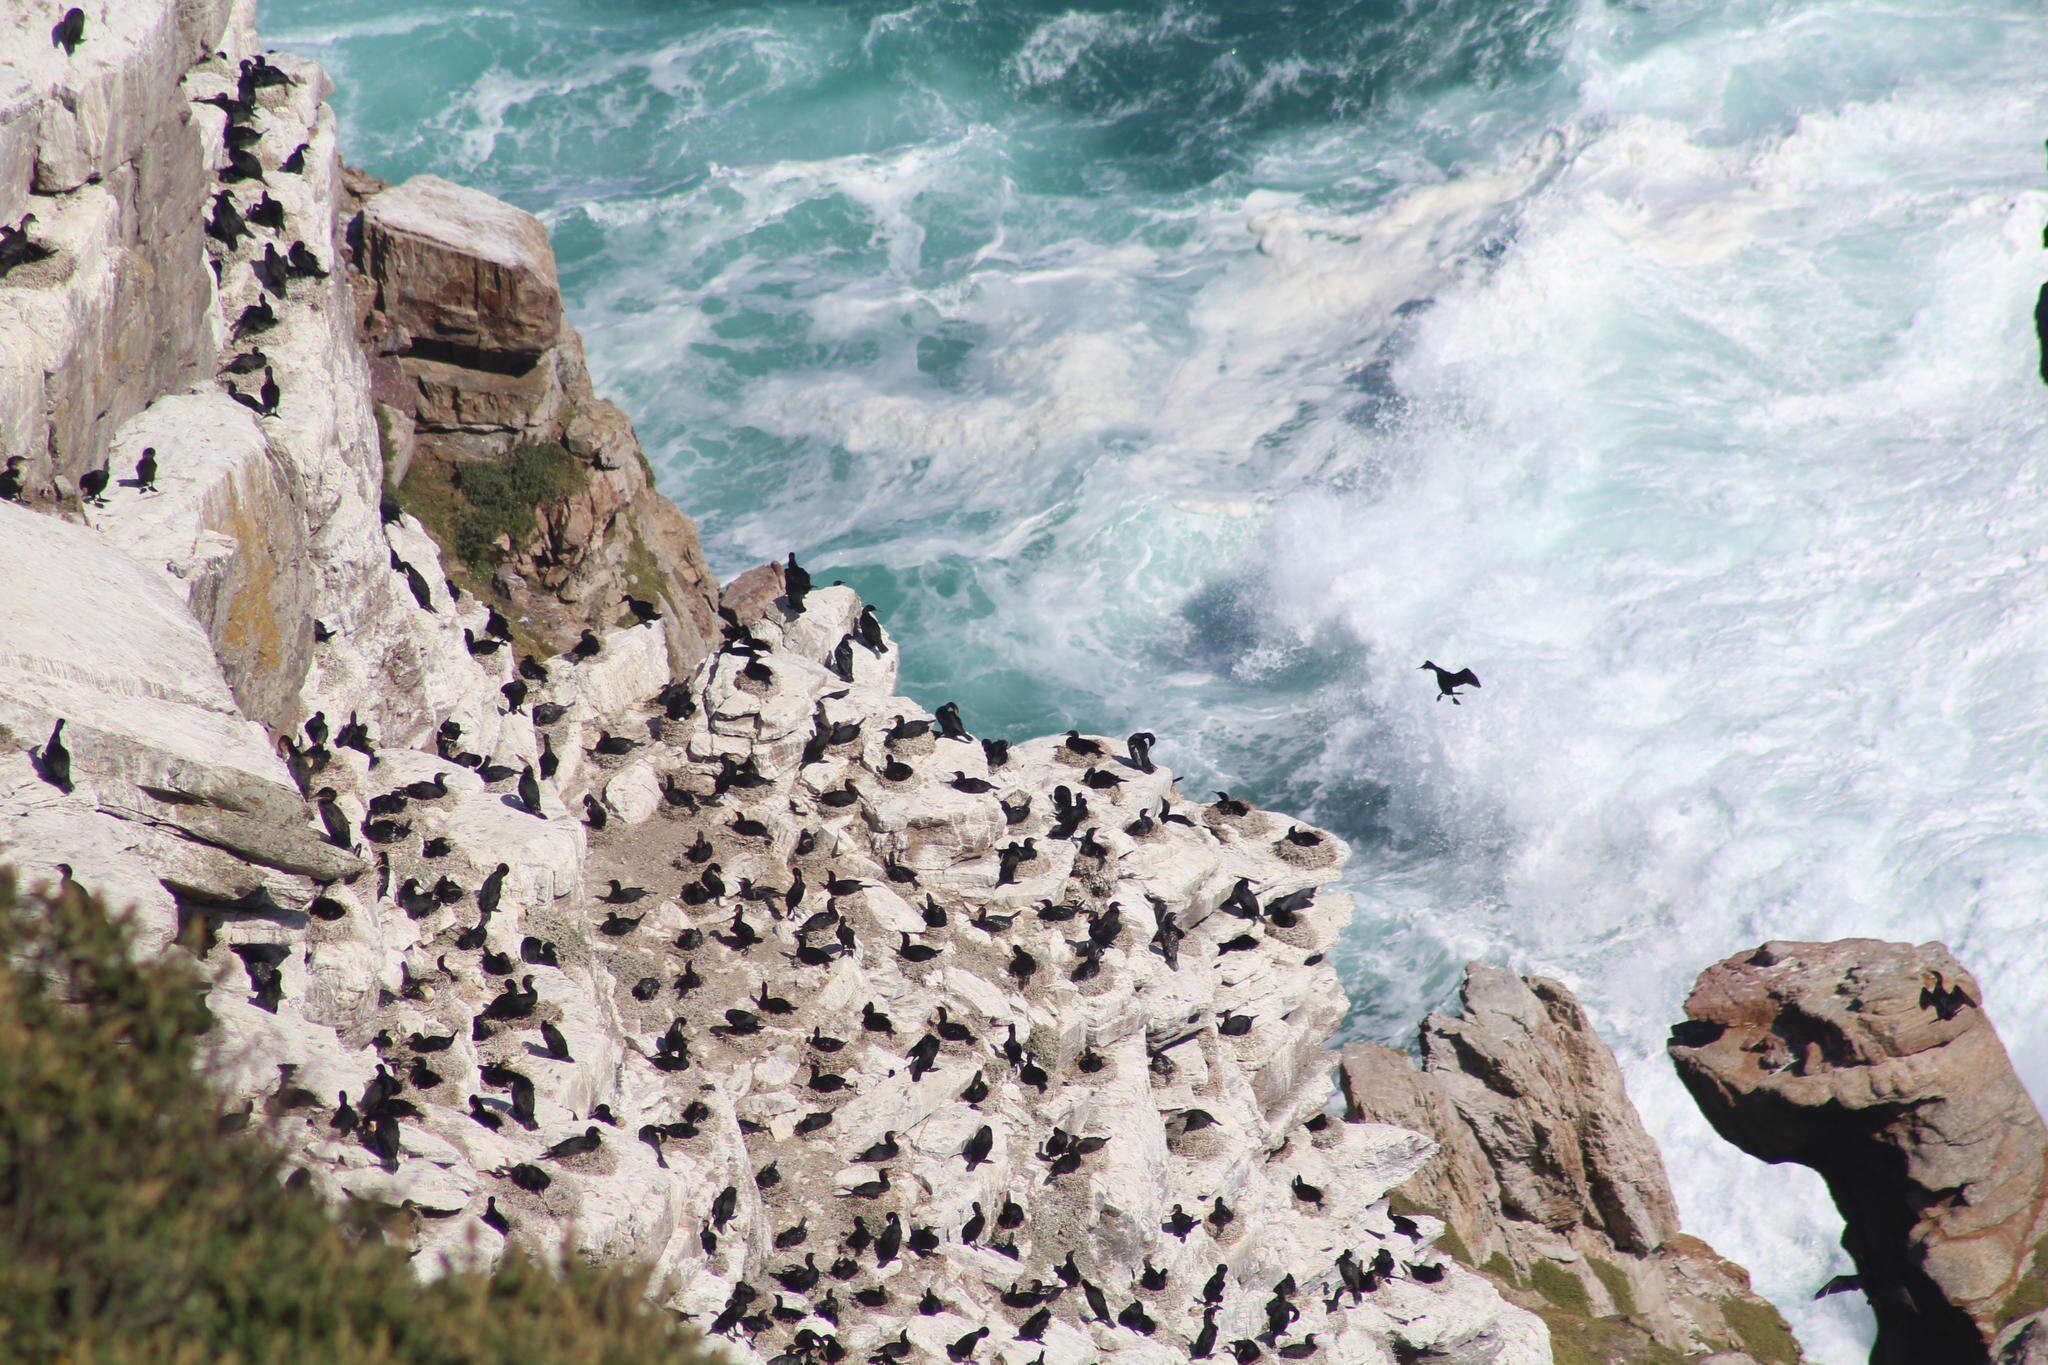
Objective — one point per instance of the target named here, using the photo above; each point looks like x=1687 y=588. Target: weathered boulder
x=94 y=637
x=1874 y=1063
x=1545 y=1100
x=222 y=522
x=750 y=596
x=1546 y=1175
x=460 y=272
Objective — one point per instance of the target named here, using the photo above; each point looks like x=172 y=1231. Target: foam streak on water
x=1205 y=366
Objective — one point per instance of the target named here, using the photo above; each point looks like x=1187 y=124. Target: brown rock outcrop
x=1874 y=1064
x=1548 y=1178
x=536 y=488
x=465 y=271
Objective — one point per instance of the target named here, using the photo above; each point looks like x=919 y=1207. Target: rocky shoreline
x=601 y=908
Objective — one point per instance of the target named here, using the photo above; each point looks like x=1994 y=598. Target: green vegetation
x=1500 y=1269
x=131 y=1230
x=1453 y=1246
x=1615 y=1280
x=2030 y=1295
x=642 y=572
x=469 y=508
x=1577 y=1337
x=1762 y=1331
x=1579 y=1340
x=1561 y=1287
x=479 y=503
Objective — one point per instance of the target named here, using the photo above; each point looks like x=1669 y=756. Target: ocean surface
x=1204 y=366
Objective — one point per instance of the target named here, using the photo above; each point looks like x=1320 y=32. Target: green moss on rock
x=2030 y=1295
x=1561 y=1287
x=1615 y=1280
x=1761 y=1331
x=1579 y=1340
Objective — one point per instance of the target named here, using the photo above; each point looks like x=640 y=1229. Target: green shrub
x=131 y=1230
x=498 y=498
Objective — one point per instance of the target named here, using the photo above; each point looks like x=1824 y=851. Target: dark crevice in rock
x=509 y=363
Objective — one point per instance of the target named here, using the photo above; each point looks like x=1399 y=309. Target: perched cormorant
x=1945 y=1000
x=69 y=31
x=917 y=952
x=303 y=263
x=257 y=317
x=53 y=760
x=582 y=1145
x=265 y=212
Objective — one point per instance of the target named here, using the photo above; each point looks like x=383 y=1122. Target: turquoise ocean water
x=1204 y=366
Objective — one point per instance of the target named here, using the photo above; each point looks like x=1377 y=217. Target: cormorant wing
x=1840 y=1284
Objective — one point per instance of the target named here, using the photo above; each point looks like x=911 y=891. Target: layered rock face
x=868 y=1036
x=105 y=148
x=473 y=370
x=1874 y=1063
x=1549 y=1180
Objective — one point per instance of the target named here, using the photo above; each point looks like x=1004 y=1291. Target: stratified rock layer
x=1547 y=1176
x=1875 y=1064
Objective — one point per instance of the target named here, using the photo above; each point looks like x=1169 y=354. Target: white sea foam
x=1725 y=482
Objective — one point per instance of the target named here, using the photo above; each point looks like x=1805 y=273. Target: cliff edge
x=550 y=918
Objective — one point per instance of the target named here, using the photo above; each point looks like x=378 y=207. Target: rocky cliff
x=534 y=487
x=1550 y=1183
x=618 y=931
x=1875 y=1064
